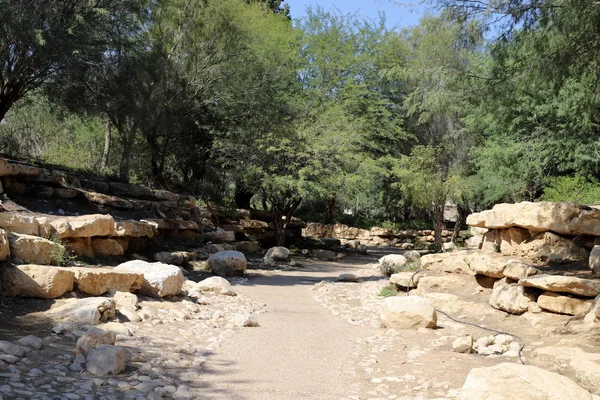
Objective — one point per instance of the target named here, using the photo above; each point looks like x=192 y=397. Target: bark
x=330 y=204
x=126 y=158
x=438 y=226
x=106 y=151
x=242 y=197
x=463 y=211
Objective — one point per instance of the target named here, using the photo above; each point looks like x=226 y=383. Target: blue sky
x=399 y=13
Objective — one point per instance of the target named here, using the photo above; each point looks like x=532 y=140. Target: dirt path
x=300 y=349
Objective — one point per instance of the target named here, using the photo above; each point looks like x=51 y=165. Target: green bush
x=577 y=189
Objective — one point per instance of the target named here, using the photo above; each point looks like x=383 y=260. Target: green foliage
x=389 y=291
x=577 y=189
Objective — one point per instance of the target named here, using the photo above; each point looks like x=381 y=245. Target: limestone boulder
x=593 y=316
x=487 y=264
x=31 y=341
x=39 y=281
x=518 y=270
x=228 y=263
x=133 y=228
x=406 y=279
x=217 y=285
x=19 y=223
x=563 y=284
x=510 y=297
x=82 y=226
x=107 y=247
x=125 y=299
x=392 y=263
x=35 y=250
x=160 y=279
x=93 y=338
x=563 y=218
x=445 y=282
x=519 y=382
x=248 y=247
x=463 y=344
x=408 y=312
x=87 y=311
x=594 y=260
x=548 y=247
x=348 y=277
x=175 y=257
x=106 y=360
x=325 y=255
x=573 y=362
x=562 y=304
x=412 y=255
x=454 y=262
x=278 y=253
x=219 y=236
x=97 y=281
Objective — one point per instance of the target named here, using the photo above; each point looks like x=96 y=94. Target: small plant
x=60 y=253
x=389 y=291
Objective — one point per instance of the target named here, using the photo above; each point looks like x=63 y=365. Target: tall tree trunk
x=107 y=138
x=242 y=196
x=438 y=226
x=463 y=211
x=330 y=204
x=126 y=157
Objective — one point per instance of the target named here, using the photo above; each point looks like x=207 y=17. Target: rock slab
x=408 y=312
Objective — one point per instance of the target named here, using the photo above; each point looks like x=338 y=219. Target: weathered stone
x=448 y=247
x=116 y=328
x=107 y=247
x=38 y=281
x=563 y=284
x=32 y=342
x=80 y=246
x=278 y=253
x=407 y=312
x=13 y=349
x=518 y=270
x=331 y=242
x=129 y=314
x=88 y=311
x=594 y=260
x=405 y=279
x=93 y=338
x=463 y=344
x=216 y=284
x=246 y=321
x=392 y=263
x=562 y=304
x=510 y=297
x=83 y=226
x=19 y=223
x=445 y=282
x=547 y=247
x=248 y=247
x=97 y=281
x=487 y=264
x=512 y=238
x=573 y=362
x=15 y=168
x=134 y=228
x=159 y=279
x=219 y=236
x=564 y=218
x=593 y=316
x=106 y=360
x=35 y=250
x=447 y=262
x=412 y=255
x=348 y=278
x=519 y=382
x=228 y=263
x=325 y=255
x=174 y=257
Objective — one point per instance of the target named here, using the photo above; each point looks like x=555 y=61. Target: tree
x=41 y=40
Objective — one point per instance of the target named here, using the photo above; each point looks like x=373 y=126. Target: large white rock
x=278 y=253
x=80 y=226
x=519 y=382
x=125 y=299
x=510 y=297
x=97 y=281
x=392 y=263
x=159 y=279
x=228 y=263
x=518 y=270
x=563 y=284
x=564 y=218
x=20 y=223
x=106 y=360
x=405 y=279
x=35 y=250
x=407 y=312
x=487 y=264
x=573 y=362
x=454 y=262
x=563 y=304
x=87 y=311
x=38 y=281
x=134 y=228
x=216 y=284
x=93 y=338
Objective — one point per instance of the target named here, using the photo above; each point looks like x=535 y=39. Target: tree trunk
x=438 y=226
x=280 y=227
x=106 y=151
x=463 y=211
x=242 y=197
x=126 y=158
x=329 y=209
